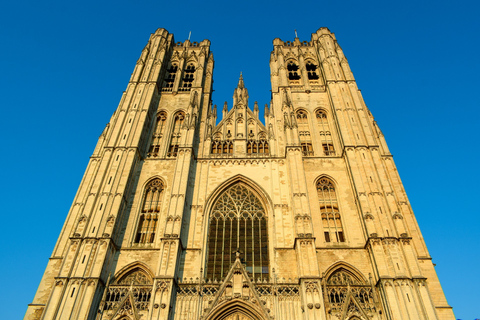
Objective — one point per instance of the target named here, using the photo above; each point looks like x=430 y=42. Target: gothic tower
x=300 y=216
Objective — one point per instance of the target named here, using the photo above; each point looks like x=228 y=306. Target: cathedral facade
x=191 y=212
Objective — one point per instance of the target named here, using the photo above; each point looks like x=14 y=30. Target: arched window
x=311 y=71
x=136 y=281
x=293 y=72
x=170 y=77
x=188 y=76
x=304 y=133
x=343 y=283
x=157 y=135
x=237 y=222
x=325 y=133
x=222 y=147
x=151 y=205
x=176 y=135
x=332 y=224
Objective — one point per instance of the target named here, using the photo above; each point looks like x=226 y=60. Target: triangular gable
x=237 y=289
x=352 y=308
x=126 y=308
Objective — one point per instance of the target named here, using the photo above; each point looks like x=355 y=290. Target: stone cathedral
x=187 y=211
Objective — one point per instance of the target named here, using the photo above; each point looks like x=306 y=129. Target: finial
x=225 y=106
x=189 y=34
x=237 y=254
x=240 y=81
x=296 y=36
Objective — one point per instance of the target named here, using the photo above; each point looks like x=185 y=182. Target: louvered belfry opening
x=238 y=221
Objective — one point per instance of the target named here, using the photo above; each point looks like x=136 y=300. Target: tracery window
x=293 y=72
x=157 y=135
x=237 y=222
x=152 y=200
x=139 y=282
x=176 y=135
x=188 y=76
x=257 y=146
x=325 y=133
x=170 y=77
x=311 y=71
x=332 y=224
x=304 y=133
x=338 y=286
x=222 y=147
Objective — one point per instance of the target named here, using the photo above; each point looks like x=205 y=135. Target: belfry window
x=293 y=72
x=304 y=133
x=311 y=71
x=157 y=135
x=188 y=76
x=332 y=224
x=176 y=134
x=325 y=133
x=238 y=222
x=170 y=78
x=147 y=225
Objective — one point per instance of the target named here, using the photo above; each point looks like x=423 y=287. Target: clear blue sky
x=65 y=65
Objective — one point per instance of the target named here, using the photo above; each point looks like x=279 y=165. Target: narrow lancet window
x=304 y=133
x=311 y=72
x=176 y=134
x=152 y=199
x=170 y=77
x=332 y=224
x=157 y=136
x=325 y=133
x=293 y=72
x=188 y=77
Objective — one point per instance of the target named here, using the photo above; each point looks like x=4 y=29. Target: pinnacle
x=240 y=82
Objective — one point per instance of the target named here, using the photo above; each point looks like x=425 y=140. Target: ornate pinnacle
x=240 y=82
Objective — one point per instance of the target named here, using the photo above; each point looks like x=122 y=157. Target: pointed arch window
x=325 y=133
x=304 y=133
x=293 y=72
x=222 y=147
x=178 y=120
x=311 y=71
x=151 y=205
x=170 y=77
x=332 y=223
x=158 y=134
x=237 y=222
x=343 y=284
x=136 y=281
x=188 y=77
x=257 y=147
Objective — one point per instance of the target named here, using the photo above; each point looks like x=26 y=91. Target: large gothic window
x=147 y=225
x=176 y=135
x=237 y=222
x=158 y=134
x=325 y=133
x=332 y=224
x=304 y=133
